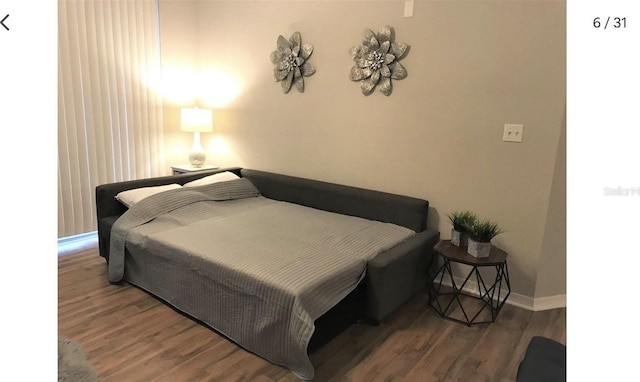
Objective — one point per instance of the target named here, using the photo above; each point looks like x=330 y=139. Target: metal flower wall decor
x=377 y=61
x=291 y=63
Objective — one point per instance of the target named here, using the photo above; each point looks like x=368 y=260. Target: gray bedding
x=260 y=271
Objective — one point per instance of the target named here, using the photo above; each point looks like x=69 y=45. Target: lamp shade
x=196 y=120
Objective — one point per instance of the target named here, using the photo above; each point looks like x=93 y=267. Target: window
x=109 y=117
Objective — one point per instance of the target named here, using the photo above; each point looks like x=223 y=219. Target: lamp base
x=197 y=159
x=197 y=155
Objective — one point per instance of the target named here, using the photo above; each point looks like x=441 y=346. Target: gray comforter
x=269 y=268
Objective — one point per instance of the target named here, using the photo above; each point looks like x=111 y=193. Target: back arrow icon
x=2 y=22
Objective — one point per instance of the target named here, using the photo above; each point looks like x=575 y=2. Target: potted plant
x=480 y=235
x=461 y=221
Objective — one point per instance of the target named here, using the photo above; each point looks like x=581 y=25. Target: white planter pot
x=477 y=249
x=458 y=238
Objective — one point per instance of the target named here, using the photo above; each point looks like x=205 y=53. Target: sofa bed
x=278 y=264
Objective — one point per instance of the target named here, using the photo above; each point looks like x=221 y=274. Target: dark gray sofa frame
x=392 y=277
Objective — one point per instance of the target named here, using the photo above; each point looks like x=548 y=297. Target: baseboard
x=515 y=299
x=79 y=242
x=550 y=302
x=539 y=303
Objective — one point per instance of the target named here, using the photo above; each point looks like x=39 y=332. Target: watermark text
x=621 y=191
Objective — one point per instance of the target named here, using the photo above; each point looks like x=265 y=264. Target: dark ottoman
x=545 y=360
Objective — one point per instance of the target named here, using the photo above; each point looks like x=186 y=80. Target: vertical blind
x=109 y=116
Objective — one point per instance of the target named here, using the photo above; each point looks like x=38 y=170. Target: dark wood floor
x=131 y=336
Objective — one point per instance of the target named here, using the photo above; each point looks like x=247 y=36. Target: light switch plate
x=512 y=133
x=408 y=8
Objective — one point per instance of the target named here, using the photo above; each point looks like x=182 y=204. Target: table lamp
x=196 y=121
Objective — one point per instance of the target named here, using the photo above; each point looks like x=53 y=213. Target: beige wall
x=551 y=277
x=473 y=66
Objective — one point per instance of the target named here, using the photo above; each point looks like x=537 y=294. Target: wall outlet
x=512 y=133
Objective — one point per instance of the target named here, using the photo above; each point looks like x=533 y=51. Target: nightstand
x=456 y=302
x=187 y=168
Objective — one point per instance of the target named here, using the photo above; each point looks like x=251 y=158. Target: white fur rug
x=72 y=363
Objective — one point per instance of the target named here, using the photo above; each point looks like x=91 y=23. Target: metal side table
x=459 y=301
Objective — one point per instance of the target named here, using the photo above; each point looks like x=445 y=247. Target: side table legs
x=491 y=297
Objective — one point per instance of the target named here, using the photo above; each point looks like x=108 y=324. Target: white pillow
x=131 y=197
x=215 y=178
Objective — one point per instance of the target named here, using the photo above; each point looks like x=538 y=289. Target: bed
x=278 y=264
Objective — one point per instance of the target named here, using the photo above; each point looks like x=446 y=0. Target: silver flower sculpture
x=291 y=63
x=377 y=61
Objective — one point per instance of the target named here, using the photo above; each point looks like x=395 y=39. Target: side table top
x=190 y=168
x=460 y=255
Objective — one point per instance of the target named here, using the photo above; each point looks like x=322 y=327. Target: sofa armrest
x=395 y=275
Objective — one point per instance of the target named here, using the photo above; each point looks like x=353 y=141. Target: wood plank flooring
x=131 y=336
